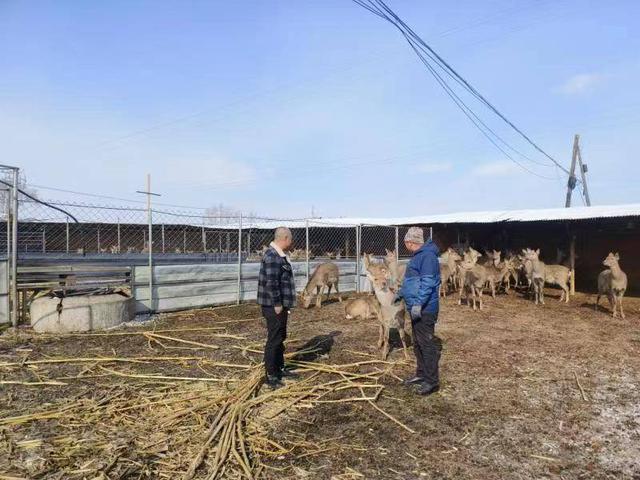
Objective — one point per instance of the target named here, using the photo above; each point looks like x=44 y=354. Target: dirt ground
x=527 y=392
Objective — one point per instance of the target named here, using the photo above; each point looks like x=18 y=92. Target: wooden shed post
x=572 y=260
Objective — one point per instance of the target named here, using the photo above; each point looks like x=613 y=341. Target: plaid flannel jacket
x=276 y=284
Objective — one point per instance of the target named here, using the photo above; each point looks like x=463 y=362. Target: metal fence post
x=14 y=253
x=150 y=221
x=239 y=260
x=204 y=240
x=162 y=235
x=67 y=230
x=431 y=233
x=119 y=245
x=44 y=239
x=358 y=246
x=397 y=243
x=307 y=247
x=184 y=239
x=98 y=236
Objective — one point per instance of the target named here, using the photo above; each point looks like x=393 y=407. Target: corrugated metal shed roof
x=530 y=215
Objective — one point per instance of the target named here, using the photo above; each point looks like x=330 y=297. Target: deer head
x=611 y=260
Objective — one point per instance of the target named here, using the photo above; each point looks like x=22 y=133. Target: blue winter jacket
x=422 y=279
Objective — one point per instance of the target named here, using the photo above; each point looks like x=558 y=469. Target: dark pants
x=276 y=334
x=425 y=348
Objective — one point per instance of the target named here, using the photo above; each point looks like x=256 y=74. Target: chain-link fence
x=227 y=248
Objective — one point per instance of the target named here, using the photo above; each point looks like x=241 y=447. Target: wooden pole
x=571 y=182
x=572 y=260
x=583 y=178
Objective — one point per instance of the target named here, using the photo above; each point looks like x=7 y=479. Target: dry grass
x=528 y=392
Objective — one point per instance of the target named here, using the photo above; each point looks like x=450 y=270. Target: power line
x=108 y=197
x=380 y=9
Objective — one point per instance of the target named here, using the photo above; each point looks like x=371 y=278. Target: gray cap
x=415 y=235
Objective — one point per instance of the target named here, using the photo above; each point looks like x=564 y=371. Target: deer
x=535 y=269
x=473 y=278
x=448 y=270
x=363 y=308
x=496 y=272
x=555 y=275
x=393 y=315
x=324 y=275
x=114 y=249
x=612 y=282
x=372 y=266
x=396 y=269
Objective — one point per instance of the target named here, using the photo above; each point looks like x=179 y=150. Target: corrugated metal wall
x=177 y=287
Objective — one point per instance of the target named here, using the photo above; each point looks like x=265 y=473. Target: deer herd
x=469 y=273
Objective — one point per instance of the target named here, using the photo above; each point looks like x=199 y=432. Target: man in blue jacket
x=420 y=293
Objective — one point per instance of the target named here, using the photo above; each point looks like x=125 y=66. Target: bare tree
x=222 y=214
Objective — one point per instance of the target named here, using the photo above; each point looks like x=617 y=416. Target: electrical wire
x=42 y=202
x=380 y=9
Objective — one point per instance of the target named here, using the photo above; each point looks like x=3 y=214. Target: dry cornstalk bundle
x=154 y=416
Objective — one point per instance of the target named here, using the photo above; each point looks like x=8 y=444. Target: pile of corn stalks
x=131 y=424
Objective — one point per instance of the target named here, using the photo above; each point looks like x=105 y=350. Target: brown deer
x=325 y=275
x=473 y=278
x=535 y=269
x=396 y=269
x=553 y=274
x=496 y=272
x=448 y=270
x=612 y=283
x=393 y=315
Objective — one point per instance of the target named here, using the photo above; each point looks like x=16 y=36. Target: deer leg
x=335 y=286
x=319 y=290
x=473 y=297
x=380 y=338
x=611 y=299
x=404 y=344
x=620 y=305
x=480 y=299
x=493 y=290
x=385 y=346
x=329 y=290
x=595 y=307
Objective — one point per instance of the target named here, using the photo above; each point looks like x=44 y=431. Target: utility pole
x=576 y=159
x=583 y=176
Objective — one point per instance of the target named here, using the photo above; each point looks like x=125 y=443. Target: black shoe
x=284 y=373
x=273 y=382
x=428 y=388
x=413 y=381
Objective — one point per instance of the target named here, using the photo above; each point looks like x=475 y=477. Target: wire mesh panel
x=378 y=239
x=336 y=243
x=63 y=230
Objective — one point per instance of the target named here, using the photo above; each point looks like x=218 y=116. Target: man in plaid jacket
x=276 y=296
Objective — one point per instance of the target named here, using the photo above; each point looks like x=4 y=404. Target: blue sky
x=278 y=106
